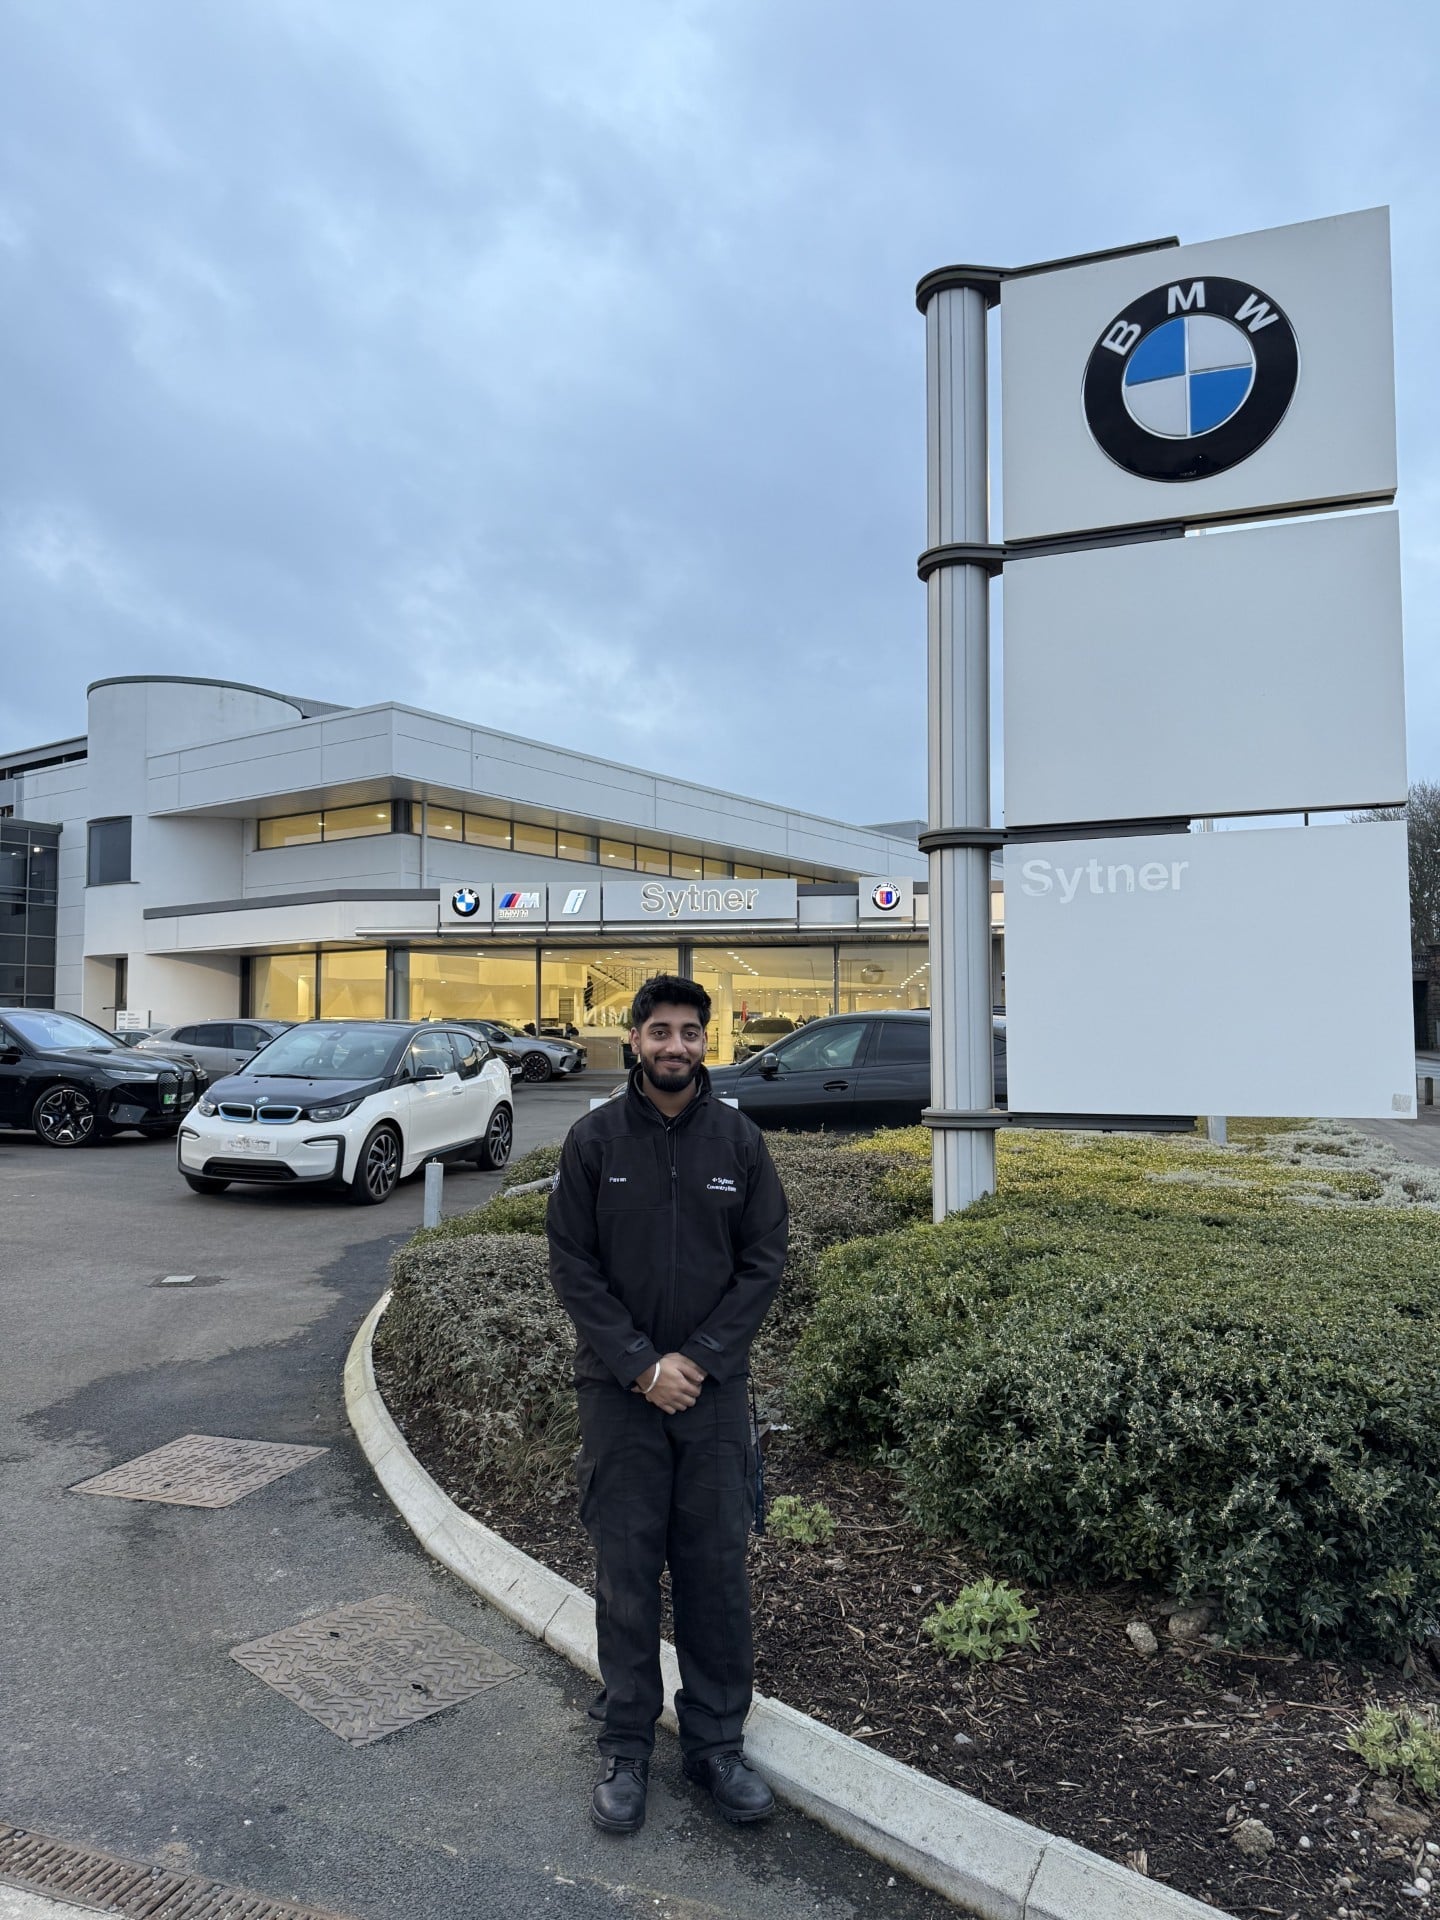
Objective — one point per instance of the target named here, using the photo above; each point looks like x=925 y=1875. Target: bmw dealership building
x=208 y=850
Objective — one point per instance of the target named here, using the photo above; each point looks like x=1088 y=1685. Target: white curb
x=988 y=1862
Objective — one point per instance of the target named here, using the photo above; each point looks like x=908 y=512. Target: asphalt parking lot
x=124 y=1723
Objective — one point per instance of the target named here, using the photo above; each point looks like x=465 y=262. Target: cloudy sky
x=557 y=366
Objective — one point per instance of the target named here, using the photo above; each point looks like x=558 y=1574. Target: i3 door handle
x=836 y=1086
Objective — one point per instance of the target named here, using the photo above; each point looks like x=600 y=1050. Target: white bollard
x=1216 y=1129
x=434 y=1186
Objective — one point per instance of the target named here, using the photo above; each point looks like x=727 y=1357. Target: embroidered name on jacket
x=617 y=1179
x=721 y=1183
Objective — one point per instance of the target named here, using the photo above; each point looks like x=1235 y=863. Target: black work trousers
x=677 y=1488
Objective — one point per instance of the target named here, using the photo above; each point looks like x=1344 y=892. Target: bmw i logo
x=465 y=901
x=1191 y=379
x=886 y=896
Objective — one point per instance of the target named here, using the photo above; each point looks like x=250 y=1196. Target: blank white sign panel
x=1330 y=279
x=1254 y=671
x=1260 y=972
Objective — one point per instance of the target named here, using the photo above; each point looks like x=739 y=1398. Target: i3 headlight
x=340 y=1111
x=207 y=1107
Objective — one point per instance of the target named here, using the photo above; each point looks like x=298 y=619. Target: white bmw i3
x=355 y=1104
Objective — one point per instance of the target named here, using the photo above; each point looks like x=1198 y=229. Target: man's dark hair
x=669 y=990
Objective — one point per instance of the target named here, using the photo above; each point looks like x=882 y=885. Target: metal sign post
x=957 y=568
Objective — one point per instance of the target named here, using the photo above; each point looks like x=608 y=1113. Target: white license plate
x=247 y=1143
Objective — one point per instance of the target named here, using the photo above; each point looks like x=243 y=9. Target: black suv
x=847 y=1070
x=71 y=1083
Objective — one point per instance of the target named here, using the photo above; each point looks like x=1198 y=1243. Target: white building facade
x=226 y=851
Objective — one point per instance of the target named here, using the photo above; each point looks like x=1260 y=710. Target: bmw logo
x=1191 y=379
x=886 y=896
x=465 y=901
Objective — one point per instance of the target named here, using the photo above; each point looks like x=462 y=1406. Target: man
x=667 y=1235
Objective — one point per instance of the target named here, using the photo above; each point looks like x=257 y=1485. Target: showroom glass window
x=885 y=973
x=282 y=986
x=332 y=823
x=591 y=987
x=498 y=985
x=445 y=823
x=760 y=994
x=107 y=858
x=352 y=984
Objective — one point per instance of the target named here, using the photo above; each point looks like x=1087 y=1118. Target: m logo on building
x=1191 y=379
x=516 y=906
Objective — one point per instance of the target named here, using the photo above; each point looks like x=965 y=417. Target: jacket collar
x=634 y=1094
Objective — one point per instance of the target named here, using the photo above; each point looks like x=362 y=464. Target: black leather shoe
x=735 y=1787
x=618 y=1802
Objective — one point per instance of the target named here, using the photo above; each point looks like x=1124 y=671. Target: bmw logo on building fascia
x=1191 y=378
x=465 y=903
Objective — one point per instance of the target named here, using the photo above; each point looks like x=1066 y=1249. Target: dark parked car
x=847 y=1070
x=71 y=1083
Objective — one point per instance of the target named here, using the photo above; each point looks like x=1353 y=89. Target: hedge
x=474 y=1355
x=1148 y=1360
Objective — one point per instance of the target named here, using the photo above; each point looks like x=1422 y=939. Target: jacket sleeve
x=721 y=1343
x=578 y=1278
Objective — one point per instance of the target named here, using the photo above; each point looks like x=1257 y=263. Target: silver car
x=220 y=1046
x=532 y=1056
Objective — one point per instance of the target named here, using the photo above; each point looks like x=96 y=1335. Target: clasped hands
x=676 y=1385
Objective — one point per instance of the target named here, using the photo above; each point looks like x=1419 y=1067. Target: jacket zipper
x=671 y=1131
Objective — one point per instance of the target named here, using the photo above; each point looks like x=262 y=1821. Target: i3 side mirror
x=769 y=1065
x=429 y=1073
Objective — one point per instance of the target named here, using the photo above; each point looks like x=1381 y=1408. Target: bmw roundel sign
x=1191 y=378
x=466 y=902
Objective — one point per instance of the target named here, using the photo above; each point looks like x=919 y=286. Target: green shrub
x=1405 y=1743
x=982 y=1622
x=839 y=1187
x=1106 y=1371
x=475 y=1353
x=538 y=1164
x=803 y=1524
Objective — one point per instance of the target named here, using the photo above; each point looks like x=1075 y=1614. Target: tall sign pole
x=957 y=566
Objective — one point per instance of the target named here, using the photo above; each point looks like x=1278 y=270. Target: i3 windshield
x=317 y=1051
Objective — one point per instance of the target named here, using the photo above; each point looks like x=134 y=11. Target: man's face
x=670 y=1047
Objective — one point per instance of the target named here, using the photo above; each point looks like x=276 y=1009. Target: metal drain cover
x=39 y=1864
x=372 y=1667
x=200 y=1470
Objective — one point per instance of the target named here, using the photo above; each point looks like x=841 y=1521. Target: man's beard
x=669 y=1079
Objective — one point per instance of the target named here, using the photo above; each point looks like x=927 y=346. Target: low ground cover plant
x=1403 y=1745
x=804 y=1523
x=1151 y=1360
x=982 y=1622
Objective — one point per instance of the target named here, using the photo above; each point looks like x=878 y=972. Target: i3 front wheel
x=66 y=1116
x=499 y=1139
x=377 y=1171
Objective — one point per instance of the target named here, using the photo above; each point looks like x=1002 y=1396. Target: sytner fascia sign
x=620 y=903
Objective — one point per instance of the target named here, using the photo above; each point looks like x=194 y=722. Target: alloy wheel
x=535 y=1067
x=65 y=1117
x=382 y=1165
x=498 y=1137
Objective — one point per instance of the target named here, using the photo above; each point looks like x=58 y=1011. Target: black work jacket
x=665 y=1236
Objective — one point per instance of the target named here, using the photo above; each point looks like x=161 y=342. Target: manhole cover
x=200 y=1470
x=372 y=1667
x=81 y=1875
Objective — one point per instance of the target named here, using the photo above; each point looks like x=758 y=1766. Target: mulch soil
x=1154 y=1760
